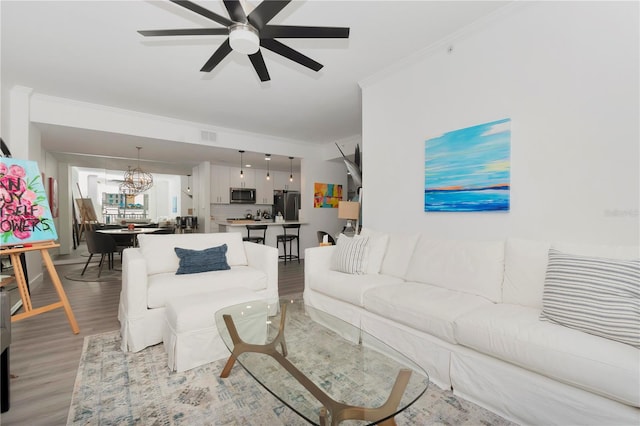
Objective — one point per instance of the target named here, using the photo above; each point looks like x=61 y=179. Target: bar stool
x=288 y=239
x=256 y=239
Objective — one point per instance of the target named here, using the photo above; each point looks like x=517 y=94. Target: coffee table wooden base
x=339 y=411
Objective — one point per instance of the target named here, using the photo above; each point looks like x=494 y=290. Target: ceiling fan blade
x=258 y=64
x=265 y=11
x=204 y=12
x=289 y=53
x=187 y=32
x=218 y=55
x=236 y=12
x=286 y=31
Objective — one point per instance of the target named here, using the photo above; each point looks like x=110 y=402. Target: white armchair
x=149 y=279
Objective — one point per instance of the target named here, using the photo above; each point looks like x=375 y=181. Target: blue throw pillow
x=194 y=261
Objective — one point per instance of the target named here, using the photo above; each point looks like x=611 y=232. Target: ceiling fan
x=246 y=33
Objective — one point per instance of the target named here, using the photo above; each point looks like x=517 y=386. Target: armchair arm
x=264 y=258
x=133 y=297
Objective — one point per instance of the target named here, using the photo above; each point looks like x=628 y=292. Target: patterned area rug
x=117 y=388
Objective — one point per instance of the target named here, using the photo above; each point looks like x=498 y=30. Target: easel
x=29 y=311
x=87 y=214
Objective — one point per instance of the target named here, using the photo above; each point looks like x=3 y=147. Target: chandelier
x=136 y=180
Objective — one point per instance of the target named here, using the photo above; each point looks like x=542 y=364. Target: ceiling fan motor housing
x=244 y=39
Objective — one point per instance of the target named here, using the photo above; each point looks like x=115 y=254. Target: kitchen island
x=273 y=228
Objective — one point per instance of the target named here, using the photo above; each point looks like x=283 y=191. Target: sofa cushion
x=195 y=261
x=514 y=334
x=160 y=256
x=349 y=288
x=349 y=254
x=399 y=250
x=596 y=295
x=167 y=286
x=525 y=265
x=376 y=249
x=424 y=307
x=474 y=267
x=599 y=250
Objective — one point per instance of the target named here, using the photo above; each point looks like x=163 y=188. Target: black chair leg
x=4 y=381
x=86 y=264
x=101 y=263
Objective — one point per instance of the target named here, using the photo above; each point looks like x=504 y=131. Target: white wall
x=566 y=73
x=320 y=219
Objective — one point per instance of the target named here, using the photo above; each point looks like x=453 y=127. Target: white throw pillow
x=350 y=254
x=376 y=249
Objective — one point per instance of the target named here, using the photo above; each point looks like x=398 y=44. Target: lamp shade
x=348 y=210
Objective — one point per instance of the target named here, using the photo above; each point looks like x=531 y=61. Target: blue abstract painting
x=469 y=169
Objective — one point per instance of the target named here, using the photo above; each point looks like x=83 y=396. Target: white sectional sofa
x=469 y=313
x=150 y=282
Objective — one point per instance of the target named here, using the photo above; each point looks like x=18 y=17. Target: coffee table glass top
x=323 y=368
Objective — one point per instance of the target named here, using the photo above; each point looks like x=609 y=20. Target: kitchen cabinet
x=264 y=189
x=249 y=180
x=281 y=181
x=220 y=185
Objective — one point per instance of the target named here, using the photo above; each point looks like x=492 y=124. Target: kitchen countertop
x=257 y=222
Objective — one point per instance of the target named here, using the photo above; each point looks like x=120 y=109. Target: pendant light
x=290 y=169
x=241 y=171
x=136 y=181
x=267 y=158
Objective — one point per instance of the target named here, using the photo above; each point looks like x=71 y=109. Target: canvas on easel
x=25 y=215
x=26 y=225
x=88 y=215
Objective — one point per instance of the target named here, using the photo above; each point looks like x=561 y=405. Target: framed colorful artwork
x=53 y=196
x=326 y=195
x=469 y=169
x=25 y=215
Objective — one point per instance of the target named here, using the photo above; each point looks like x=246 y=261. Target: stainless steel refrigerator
x=287 y=203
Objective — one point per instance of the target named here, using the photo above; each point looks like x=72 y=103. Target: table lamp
x=349 y=210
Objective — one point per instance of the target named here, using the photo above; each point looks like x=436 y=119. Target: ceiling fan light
x=244 y=39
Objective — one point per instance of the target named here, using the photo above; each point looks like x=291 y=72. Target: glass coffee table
x=323 y=368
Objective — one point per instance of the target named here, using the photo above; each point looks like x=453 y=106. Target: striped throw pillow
x=595 y=295
x=349 y=254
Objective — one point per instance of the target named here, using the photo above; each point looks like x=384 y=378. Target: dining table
x=132 y=234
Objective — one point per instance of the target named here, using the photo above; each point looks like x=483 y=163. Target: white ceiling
x=90 y=51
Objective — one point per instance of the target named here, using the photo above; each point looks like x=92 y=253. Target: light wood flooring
x=45 y=353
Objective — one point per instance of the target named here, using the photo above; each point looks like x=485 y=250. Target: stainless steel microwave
x=242 y=195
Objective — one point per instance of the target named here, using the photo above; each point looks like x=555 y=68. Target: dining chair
x=164 y=230
x=102 y=244
x=330 y=239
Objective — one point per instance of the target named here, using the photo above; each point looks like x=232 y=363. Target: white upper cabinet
x=220 y=185
x=224 y=177
x=264 y=189
x=281 y=181
x=248 y=181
